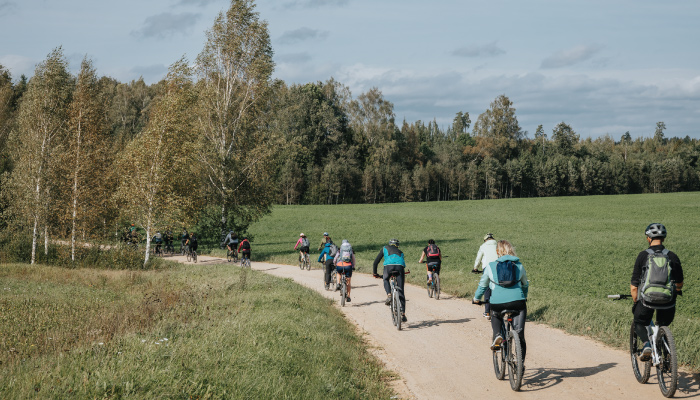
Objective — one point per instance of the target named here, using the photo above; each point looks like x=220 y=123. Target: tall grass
x=576 y=250
x=209 y=333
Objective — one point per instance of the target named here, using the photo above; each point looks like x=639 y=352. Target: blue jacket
x=500 y=294
x=326 y=250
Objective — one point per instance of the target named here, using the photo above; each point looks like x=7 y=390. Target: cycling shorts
x=304 y=249
x=347 y=270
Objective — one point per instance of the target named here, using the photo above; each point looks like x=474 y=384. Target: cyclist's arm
x=377 y=260
x=637 y=274
x=483 y=284
x=422 y=254
x=296 y=245
x=676 y=270
x=524 y=284
x=633 y=292
x=479 y=256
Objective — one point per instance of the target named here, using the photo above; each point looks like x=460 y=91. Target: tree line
x=219 y=140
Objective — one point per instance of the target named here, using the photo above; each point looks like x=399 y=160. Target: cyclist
x=244 y=248
x=393 y=261
x=158 y=240
x=486 y=255
x=192 y=242
x=345 y=263
x=303 y=244
x=505 y=298
x=642 y=310
x=323 y=241
x=231 y=241
x=133 y=235
x=433 y=259
x=168 y=237
x=183 y=239
x=326 y=257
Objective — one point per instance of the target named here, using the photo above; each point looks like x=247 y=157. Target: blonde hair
x=503 y=247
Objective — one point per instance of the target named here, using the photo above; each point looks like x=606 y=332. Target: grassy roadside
x=186 y=332
x=576 y=250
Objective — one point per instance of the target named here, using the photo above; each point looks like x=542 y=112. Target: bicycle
x=334 y=280
x=304 y=262
x=663 y=355
x=232 y=255
x=395 y=305
x=192 y=255
x=343 y=287
x=434 y=288
x=157 y=250
x=245 y=261
x=169 y=249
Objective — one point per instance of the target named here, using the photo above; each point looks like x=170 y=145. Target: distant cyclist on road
x=644 y=302
x=508 y=282
x=158 y=240
x=303 y=244
x=433 y=259
x=326 y=257
x=345 y=263
x=244 y=248
x=192 y=242
x=393 y=261
x=184 y=237
x=231 y=241
x=486 y=255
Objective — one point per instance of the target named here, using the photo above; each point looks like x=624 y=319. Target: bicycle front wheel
x=334 y=280
x=229 y=256
x=308 y=263
x=515 y=361
x=499 y=361
x=641 y=369
x=667 y=370
x=436 y=282
x=194 y=256
x=189 y=256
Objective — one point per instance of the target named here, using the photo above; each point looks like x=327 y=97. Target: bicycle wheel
x=334 y=281
x=189 y=256
x=436 y=282
x=308 y=263
x=499 y=361
x=667 y=370
x=515 y=361
x=194 y=256
x=343 y=291
x=247 y=262
x=302 y=262
x=642 y=374
x=431 y=288
x=229 y=256
x=397 y=309
x=235 y=256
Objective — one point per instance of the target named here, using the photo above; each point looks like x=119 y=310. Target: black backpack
x=245 y=245
x=507 y=273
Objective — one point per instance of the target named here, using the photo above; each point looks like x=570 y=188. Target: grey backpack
x=657 y=287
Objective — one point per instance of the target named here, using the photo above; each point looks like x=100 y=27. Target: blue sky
x=602 y=67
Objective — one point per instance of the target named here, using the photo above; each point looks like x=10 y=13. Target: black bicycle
x=395 y=305
x=158 y=250
x=232 y=255
x=434 y=286
x=169 y=249
x=663 y=355
x=343 y=287
x=510 y=353
x=192 y=256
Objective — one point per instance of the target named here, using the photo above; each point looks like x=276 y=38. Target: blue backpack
x=507 y=273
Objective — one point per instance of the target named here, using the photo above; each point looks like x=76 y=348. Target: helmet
x=325 y=233
x=488 y=236
x=301 y=234
x=345 y=241
x=431 y=241
x=655 y=230
x=394 y=242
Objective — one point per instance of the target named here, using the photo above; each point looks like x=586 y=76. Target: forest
x=218 y=142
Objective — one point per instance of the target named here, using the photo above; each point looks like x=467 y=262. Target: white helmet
x=301 y=234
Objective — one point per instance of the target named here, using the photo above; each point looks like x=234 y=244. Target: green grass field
x=576 y=250
x=189 y=332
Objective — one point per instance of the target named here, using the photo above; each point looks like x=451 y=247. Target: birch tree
x=42 y=125
x=87 y=159
x=159 y=185
x=237 y=150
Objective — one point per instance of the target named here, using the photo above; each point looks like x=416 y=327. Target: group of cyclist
x=504 y=284
x=235 y=247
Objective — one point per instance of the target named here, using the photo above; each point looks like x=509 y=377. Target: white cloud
x=567 y=58
x=484 y=50
x=166 y=24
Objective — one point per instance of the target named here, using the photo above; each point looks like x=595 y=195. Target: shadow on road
x=429 y=324
x=268 y=269
x=364 y=286
x=688 y=384
x=543 y=378
x=368 y=303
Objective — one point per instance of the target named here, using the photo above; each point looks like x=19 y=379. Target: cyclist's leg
x=487 y=300
x=665 y=317
x=385 y=277
x=327 y=270
x=348 y=274
x=400 y=279
x=642 y=318
x=519 y=326
x=496 y=319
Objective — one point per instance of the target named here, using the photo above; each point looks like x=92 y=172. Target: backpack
x=245 y=245
x=657 y=288
x=507 y=273
x=304 y=242
x=433 y=250
x=346 y=253
x=332 y=250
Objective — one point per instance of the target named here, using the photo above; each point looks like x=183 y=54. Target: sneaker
x=388 y=300
x=326 y=286
x=403 y=318
x=347 y=298
x=646 y=352
x=337 y=287
x=487 y=316
x=497 y=343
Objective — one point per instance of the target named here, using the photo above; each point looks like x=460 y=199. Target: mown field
x=187 y=332
x=576 y=250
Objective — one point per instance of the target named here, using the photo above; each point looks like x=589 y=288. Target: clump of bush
x=16 y=247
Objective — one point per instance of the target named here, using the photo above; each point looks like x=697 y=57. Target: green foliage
x=215 y=333
x=576 y=250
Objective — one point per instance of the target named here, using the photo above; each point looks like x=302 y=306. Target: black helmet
x=655 y=230
x=394 y=242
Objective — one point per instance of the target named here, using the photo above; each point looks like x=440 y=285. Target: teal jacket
x=499 y=294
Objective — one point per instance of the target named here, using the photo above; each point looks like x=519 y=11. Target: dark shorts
x=245 y=253
x=304 y=249
x=347 y=270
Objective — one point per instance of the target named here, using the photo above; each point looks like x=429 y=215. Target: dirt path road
x=443 y=350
